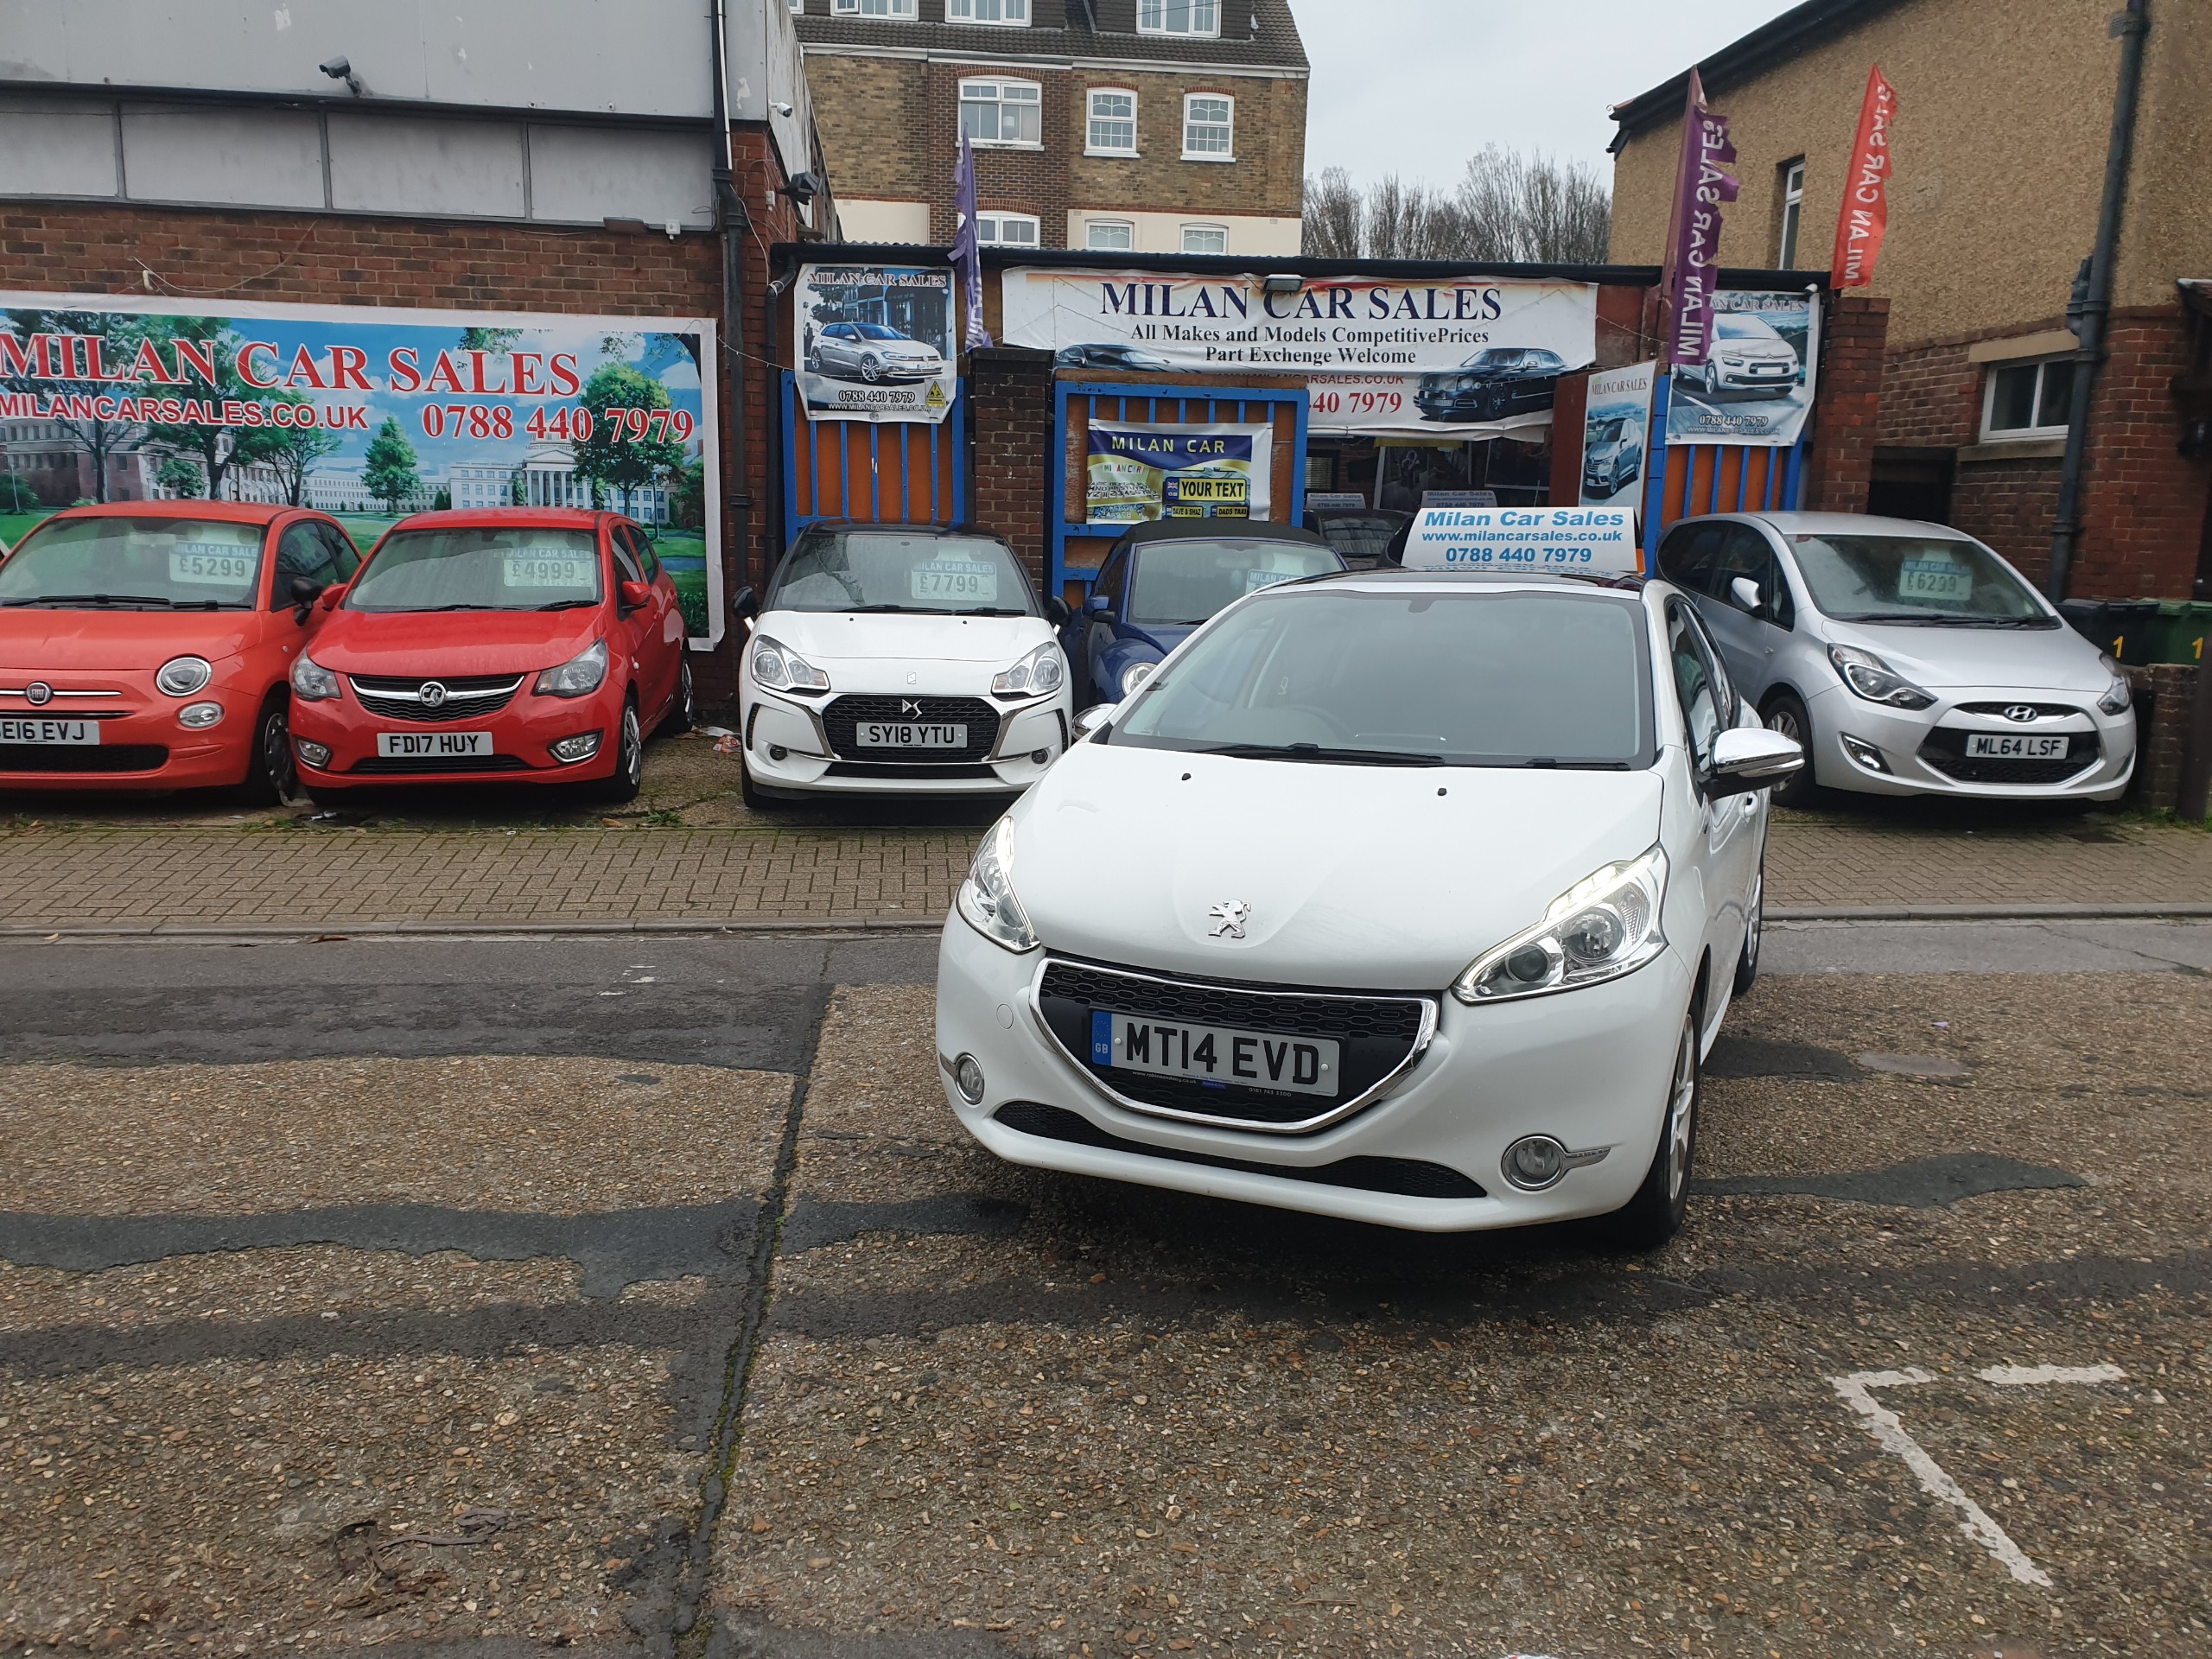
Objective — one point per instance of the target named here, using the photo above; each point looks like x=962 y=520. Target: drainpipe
x=735 y=223
x=2090 y=312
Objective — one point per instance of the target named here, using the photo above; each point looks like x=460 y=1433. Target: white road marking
x=1882 y=1423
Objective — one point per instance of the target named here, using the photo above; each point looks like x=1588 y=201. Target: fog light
x=968 y=1078
x=1535 y=1162
x=200 y=716
x=316 y=754
x=1865 y=753
x=1041 y=756
x=569 y=750
x=778 y=752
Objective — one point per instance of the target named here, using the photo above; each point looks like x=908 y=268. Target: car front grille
x=425 y=767
x=1944 y=750
x=912 y=770
x=1379 y=1034
x=465 y=699
x=1412 y=1178
x=841 y=719
x=2004 y=710
x=60 y=759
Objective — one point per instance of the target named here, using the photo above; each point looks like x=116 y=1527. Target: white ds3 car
x=899 y=659
x=1404 y=897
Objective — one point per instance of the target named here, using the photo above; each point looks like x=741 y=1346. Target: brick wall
x=2143 y=503
x=218 y=256
x=1847 y=405
x=2164 y=695
x=1012 y=435
x=2011 y=504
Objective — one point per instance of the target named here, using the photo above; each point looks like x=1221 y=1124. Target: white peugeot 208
x=1407 y=898
x=901 y=659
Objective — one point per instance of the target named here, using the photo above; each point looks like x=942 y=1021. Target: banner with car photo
x=1616 y=433
x=1756 y=387
x=875 y=342
x=1136 y=473
x=367 y=413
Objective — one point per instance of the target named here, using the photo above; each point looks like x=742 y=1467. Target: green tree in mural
x=181 y=477
x=687 y=500
x=17 y=495
x=613 y=457
x=293 y=450
x=388 y=469
x=218 y=449
x=118 y=335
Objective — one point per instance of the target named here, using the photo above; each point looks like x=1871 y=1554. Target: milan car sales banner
x=1756 y=386
x=875 y=342
x=1141 y=473
x=369 y=413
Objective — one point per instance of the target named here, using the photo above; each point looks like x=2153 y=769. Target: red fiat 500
x=145 y=644
x=521 y=644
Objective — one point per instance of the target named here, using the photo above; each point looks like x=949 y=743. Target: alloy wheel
x=632 y=758
x=1783 y=721
x=1681 y=1110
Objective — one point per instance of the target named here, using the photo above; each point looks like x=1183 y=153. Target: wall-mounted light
x=1284 y=282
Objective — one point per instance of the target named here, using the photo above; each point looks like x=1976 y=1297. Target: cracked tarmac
x=686 y=1321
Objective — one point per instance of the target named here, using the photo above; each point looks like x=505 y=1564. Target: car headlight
x=781 y=669
x=1134 y=676
x=1603 y=926
x=1875 y=680
x=1041 y=671
x=311 y=681
x=182 y=677
x=579 y=676
x=2117 y=697
x=987 y=901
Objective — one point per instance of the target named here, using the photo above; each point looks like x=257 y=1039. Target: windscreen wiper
x=984 y=610
x=883 y=610
x=119 y=599
x=568 y=605
x=1318 y=752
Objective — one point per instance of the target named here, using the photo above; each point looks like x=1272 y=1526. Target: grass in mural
x=683 y=555
x=15 y=525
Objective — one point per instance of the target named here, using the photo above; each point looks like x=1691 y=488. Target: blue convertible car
x=1164 y=578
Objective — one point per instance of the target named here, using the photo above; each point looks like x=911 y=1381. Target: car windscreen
x=1605 y=431
x=876 y=331
x=1186 y=581
x=150 y=563
x=524 y=567
x=884 y=570
x=1927 y=579
x=1740 y=327
x=1476 y=679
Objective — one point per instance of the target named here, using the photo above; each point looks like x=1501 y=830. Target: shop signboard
x=1617 y=433
x=1136 y=473
x=1756 y=387
x=875 y=342
x=368 y=413
x=1582 y=541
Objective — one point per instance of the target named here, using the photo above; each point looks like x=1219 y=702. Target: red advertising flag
x=1865 y=217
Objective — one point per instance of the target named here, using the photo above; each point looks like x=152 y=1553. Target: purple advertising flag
x=1694 y=242
x=964 y=247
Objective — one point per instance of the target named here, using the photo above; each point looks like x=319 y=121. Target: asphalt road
x=485 y=1295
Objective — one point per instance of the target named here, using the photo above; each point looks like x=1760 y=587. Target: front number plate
x=1249 y=1059
x=1992 y=745
x=76 y=733
x=910 y=734
x=431 y=746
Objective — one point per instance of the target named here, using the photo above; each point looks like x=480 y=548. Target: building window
x=2028 y=400
x=1793 y=210
x=1179 y=17
x=1113 y=122
x=1208 y=128
x=1111 y=235
x=1006 y=230
x=1205 y=239
x=1014 y=12
x=1002 y=112
x=870 y=8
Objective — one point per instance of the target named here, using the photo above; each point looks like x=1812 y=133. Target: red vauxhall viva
x=145 y=644
x=521 y=644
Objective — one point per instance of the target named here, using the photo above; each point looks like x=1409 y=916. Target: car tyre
x=683 y=712
x=1655 y=1214
x=1747 y=964
x=272 y=775
x=756 y=799
x=1711 y=381
x=1785 y=713
x=629 y=760
x=871 y=370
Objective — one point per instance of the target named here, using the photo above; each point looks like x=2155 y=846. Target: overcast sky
x=1416 y=86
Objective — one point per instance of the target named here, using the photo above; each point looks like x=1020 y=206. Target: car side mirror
x=1750 y=757
x=332 y=596
x=1090 y=720
x=1097 y=604
x=1746 y=594
x=305 y=590
x=741 y=602
x=630 y=595
x=1056 y=609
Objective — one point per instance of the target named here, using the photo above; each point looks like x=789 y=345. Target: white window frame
x=1793 y=213
x=1991 y=433
x=1013 y=14
x=998 y=85
x=990 y=232
x=1153 y=18
x=1091 y=117
x=1128 y=227
x=1227 y=155
x=897 y=11
x=1221 y=231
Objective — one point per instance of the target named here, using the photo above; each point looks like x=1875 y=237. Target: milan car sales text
x=79 y=358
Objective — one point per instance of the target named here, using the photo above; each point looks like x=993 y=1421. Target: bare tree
x=1411 y=221
x=1333 y=216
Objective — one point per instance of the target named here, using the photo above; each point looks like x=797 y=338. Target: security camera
x=340 y=68
x=781 y=109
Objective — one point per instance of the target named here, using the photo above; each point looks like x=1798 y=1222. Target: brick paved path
x=138 y=877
